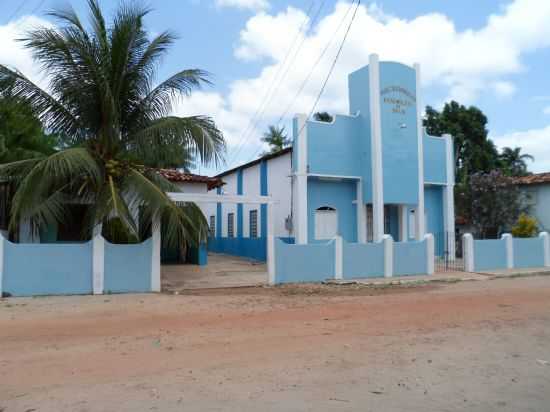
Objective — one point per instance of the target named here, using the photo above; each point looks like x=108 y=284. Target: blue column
x=219 y=216
x=263 y=192
x=240 y=205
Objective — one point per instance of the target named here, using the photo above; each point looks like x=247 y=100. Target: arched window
x=326 y=223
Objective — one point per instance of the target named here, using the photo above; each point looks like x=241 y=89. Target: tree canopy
x=21 y=133
x=276 y=138
x=103 y=97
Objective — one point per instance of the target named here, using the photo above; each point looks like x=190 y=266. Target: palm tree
x=117 y=127
x=513 y=162
x=276 y=138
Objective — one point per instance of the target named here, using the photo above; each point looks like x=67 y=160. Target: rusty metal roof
x=534 y=179
x=177 y=176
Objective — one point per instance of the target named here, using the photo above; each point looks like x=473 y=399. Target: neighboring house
x=70 y=231
x=361 y=176
x=535 y=189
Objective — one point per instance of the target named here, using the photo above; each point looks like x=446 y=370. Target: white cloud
x=536 y=142
x=504 y=89
x=244 y=4
x=12 y=52
x=464 y=62
x=546 y=110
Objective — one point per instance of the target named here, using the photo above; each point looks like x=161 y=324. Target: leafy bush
x=526 y=226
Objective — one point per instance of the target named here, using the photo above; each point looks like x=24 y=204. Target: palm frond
x=55 y=116
x=196 y=135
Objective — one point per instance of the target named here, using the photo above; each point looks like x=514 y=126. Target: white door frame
x=219 y=198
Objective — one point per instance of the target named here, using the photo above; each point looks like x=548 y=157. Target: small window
x=326 y=223
x=212 y=227
x=253 y=223
x=231 y=225
x=370 y=223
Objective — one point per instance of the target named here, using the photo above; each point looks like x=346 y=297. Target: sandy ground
x=476 y=346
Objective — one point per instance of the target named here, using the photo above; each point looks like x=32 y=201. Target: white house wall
x=251 y=187
x=229 y=188
x=279 y=187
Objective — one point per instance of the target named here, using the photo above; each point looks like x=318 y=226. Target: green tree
x=513 y=162
x=117 y=125
x=526 y=226
x=323 y=117
x=494 y=202
x=474 y=151
x=276 y=138
x=21 y=133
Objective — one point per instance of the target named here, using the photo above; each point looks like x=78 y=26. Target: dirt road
x=476 y=346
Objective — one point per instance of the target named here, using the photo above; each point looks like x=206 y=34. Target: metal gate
x=448 y=253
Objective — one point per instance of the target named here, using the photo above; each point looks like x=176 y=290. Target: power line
x=277 y=84
x=17 y=10
x=271 y=84
x=39 y=6
x=332 y=66
x=308 y=77
x=330 y=71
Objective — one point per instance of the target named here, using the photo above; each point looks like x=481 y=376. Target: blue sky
x=492 y=54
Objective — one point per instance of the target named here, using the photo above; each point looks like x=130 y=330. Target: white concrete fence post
x=387 y=240
x=270 y=245
x=1 y=263
x=338 y=258
x=98 y=264
x=507 y=237
x=155 y=258
x=546 y=248
x=430 y=253
x=468 y=252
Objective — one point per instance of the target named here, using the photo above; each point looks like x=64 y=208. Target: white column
x=376 y=149
x=419 y=215
x=300 y=198
x=468 y=252
x=403 y=223
x=449 y=197
x=430 y=253
x=1 y=263
x=339 y=257
x=509 y=250
x=270 y=245
x=155 y=260
x=545 y=248
x=388 y=255
x=98 y=263
x=361 y=214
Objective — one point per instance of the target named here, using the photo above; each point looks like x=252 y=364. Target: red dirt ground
x=478 y=346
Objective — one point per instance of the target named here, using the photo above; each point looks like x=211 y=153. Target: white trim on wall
x=155 y=258
x=387 y=240
x=449 y=197
x=420 y=218
x=361 y=214
x=98 y=264
x=339 y=258
x=376 y=149
x=507 y=237
x=300 y=200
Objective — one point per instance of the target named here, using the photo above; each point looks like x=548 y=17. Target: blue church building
x=371 y=173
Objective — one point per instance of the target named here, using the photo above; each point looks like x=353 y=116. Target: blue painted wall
x=433 y=206
x=332 y=147
x=410 y=258
x=47 y=269
x=363 y=260
x=359 y=103
x=489 y=254
x=399 y=133
x=435 y=155
x=252 y=248
x=128 y=267
x=529 y=253
x=304 y=263
x=339 y=195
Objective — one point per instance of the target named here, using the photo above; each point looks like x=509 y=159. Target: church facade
x=362 y=176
